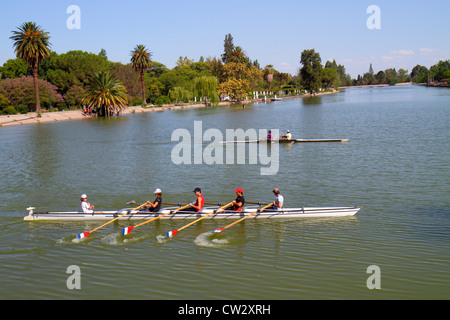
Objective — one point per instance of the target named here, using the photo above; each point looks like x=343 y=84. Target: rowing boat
x=287 y=213
x=286 y=141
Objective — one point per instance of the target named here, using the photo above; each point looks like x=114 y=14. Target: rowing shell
x=291 y=213
x=287 y=141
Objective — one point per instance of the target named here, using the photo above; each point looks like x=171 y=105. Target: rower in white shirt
x=279 y=200
x=287 y=136
x=86 y=207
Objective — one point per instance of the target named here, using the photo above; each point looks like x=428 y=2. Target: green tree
x=75 y=68
x=103 y=54
x=14 y=68
x=380 y=77
x=31 y=43
x=228 y=48
x=179 y=94
x=439 y=71
x=106 y=94
x=206 y=87
x=329 y=78
x=311 y=71
x=419 y=74
x=140 y=58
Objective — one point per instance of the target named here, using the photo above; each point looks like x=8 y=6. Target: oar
x=242 y=219
x=86 y=234
x=173 y=232
x=127 y=230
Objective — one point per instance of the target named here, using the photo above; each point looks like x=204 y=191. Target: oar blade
x=170 y=234
x=83 y=235
x=219 y=230
x=127 y=230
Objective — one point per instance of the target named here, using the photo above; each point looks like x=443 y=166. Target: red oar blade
x=170 y=234
x=83 y=235
x=127 y=230
x=219 y=230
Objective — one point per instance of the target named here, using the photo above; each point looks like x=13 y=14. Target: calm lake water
x=396 y=165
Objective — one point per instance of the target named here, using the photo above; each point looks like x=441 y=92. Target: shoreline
x=56 y=116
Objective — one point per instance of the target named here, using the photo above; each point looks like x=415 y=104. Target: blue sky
x=274 y=32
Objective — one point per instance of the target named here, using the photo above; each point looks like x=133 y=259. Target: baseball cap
x=83 y=196
x=239 y=190
x=157 y=190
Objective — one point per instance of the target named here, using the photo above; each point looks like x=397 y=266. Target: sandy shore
x=31 y=117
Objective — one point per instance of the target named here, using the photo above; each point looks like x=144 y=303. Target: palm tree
x=141 y=61
x=239 y=55
x=31 y=43
x=106 y=94
x=268 y=73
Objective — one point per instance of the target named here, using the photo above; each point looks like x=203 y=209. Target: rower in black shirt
x=238 y=203
x=156 y=205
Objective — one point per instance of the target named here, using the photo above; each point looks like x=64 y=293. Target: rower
x=197 y=206
x=156 y=205
x=287 y=136
x=270 y=136
x=278 y=203
x=86 y=207
x=279 y=200
x=238 y=203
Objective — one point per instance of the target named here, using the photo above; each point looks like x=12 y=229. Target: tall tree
x=31 y=43
x=140 y=58
x=106 y=94
x=228 y=48
x=311 y=72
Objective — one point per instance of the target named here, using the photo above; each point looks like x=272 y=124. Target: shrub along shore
x=46 y=117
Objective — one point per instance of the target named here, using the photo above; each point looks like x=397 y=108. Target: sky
x=407 y=33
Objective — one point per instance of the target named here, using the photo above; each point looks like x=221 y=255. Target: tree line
x=40 y=77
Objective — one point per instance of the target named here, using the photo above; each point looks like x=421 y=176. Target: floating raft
x=288 y=213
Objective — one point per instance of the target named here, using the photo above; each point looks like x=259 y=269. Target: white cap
x=157 y=191
x=288 y=131
x=83 y=196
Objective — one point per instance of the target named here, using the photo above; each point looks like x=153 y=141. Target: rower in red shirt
x=199 y=202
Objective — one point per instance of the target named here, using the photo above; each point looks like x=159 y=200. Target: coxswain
x=196 y=206
x=86 y=207
x=156 y=205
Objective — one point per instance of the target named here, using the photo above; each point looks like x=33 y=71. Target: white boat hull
x=291 y=213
